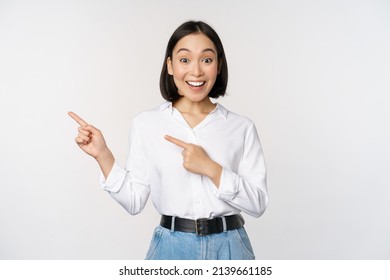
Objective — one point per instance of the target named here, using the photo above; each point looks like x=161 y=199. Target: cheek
x=178 y=73
x=179 y=83
x=213 y=73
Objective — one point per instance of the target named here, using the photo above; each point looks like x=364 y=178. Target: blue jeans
x=176 y=245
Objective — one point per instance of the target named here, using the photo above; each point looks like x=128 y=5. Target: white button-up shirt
x=155 y=166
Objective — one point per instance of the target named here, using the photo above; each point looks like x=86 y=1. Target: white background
x=312 y=75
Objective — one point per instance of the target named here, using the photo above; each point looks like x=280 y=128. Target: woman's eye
x=185 y=60
x=208 y=60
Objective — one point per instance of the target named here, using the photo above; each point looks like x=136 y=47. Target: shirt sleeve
x=129 y=186
x=246 y=189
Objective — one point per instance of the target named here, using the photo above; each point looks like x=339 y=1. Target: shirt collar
x=164 y=106
x=219 y=109
x=222 y=110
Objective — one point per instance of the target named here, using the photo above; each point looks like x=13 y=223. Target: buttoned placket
x=195 y=179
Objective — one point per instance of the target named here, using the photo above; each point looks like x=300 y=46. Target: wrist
x=214 y=173
x=104 y=156
x=106 y=161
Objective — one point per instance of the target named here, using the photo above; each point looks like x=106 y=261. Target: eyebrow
x=205 y=50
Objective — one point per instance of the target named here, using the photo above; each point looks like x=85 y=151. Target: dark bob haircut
x=167 y=85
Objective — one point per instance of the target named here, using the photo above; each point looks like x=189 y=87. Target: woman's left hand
x=196 y=160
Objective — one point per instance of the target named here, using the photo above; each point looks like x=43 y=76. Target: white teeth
x=196 y=84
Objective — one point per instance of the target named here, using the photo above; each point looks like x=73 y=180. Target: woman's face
x=194 y=66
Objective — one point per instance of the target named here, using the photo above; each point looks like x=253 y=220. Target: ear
x=169 y=66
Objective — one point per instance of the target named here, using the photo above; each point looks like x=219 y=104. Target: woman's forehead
x=197 y=42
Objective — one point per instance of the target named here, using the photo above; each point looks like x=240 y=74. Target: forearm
x=214 y=172
x=106 y=161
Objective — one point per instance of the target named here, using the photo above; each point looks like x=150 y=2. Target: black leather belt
x=202 y=226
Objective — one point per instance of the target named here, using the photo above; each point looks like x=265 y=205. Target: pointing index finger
x=176 y=141
x=79 y=120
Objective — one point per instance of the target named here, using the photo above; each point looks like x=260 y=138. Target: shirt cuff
x=228 y=186
x=114 y=180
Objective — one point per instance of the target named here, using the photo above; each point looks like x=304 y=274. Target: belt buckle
x=201 y=226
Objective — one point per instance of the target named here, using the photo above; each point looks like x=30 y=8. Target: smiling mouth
x=196 y=84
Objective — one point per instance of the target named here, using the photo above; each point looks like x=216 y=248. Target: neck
x=185 y=105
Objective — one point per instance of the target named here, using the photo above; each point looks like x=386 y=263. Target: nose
x=197 y=69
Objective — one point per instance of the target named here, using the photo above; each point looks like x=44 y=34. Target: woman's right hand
x=91 y=141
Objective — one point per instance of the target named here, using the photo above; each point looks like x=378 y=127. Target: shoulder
x=236 y=118
x=151 y=115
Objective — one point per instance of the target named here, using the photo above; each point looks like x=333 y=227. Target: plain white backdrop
x=313 y=76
